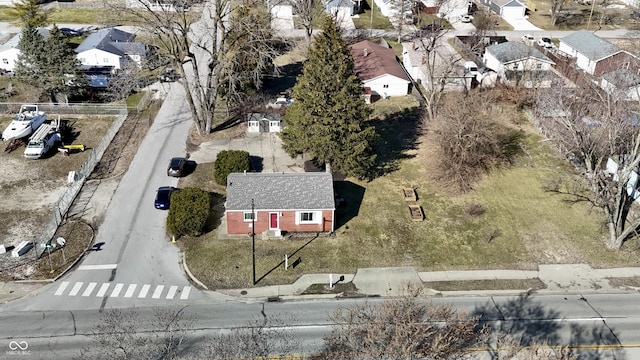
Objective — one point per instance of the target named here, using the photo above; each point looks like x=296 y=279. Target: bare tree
x=307 y=11
x=508 y=347
x=471 y=142
x=118 y=335
x=259 y=339
x=599 y=134
x=556 y=10
x=402 y=328
x=196 y=44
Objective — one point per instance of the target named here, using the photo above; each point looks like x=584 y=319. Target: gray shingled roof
x=590 y=45
x=280 y=191
x=15 y=40
x=104 y=39
x=622 y=78
x=508 y=52
x=502 y=3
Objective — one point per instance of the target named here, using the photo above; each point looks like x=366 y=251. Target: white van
x=471 y=67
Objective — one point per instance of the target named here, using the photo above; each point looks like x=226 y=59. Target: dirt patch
x=506 y=284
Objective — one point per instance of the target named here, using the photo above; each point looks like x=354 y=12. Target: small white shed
x=264 y=123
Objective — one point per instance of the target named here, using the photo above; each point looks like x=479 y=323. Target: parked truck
x=44 y=139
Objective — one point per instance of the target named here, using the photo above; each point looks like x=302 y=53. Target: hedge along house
x=282 y=203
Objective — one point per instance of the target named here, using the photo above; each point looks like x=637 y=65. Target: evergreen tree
x=328 y=119
x=29 y=13
x=31 y=57
x=63 y=74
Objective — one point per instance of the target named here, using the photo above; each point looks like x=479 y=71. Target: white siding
x=95 y=57
x=388 y=85
x=8 y=59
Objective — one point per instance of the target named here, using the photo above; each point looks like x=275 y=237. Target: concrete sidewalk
x=569 y=278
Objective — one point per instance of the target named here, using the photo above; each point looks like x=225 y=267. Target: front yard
x=507 y=222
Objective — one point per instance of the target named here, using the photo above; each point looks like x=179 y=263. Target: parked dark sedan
x=163 y=197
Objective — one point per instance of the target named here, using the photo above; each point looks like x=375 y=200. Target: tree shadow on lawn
x=530 y=321
x=348 y=200
x=217 y=211
x=285 y=81
x=399 y=132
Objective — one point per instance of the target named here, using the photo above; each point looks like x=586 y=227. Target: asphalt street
x=600 y=325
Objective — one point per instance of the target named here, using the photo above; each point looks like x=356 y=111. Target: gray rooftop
x=622 y=78
x=509 y=51
x=590 y=45
x=15 y=40
x=502 y=3
x=104 y=39
x=280 y=191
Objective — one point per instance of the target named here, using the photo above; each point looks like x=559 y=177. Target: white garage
x=511 y=9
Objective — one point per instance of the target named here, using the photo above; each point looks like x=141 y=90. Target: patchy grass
x=633 y=281
x=577 y=16
x=508 y=221
x=365 y=20
x=494 y=284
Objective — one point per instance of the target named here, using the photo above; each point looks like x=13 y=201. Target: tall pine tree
x=328 y=119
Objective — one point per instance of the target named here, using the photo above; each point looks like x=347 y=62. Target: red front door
x=273 y=220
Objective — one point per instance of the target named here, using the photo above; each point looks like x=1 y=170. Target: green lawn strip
x=489 y=284
x=365 y=20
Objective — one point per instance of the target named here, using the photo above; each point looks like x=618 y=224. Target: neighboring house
x=511 y=9
x=515 y=62
x=156 y=5
x=342 y=9
x=282 y=203
x=110 y=47
x=9 y=51
x=623 y=83
x=453 y=77
x=379 y=69
x=281 y=14
x=595 y=55
x=264 y=123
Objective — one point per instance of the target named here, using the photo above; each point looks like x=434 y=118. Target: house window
x=253 y=123
x=5 y=61
x=306 y=217
x=82 y=60
x=248 y=216
x=105 y=60
x=539 y=66
x=516 y=66
x=385 y=86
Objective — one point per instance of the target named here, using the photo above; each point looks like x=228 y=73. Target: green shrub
x=230 y=161
x=189 y=211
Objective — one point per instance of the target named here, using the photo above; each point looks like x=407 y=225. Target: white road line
x=172 y=292
x=130 y=290
x=185 y=293
x=144 y=291
x=76 y=288
x=103 y=290
x=61 y=288
x=116 y=290
x=89 y=289
x=157 y=292
x=98 y=267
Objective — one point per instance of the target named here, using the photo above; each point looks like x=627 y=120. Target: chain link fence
x=77 y=178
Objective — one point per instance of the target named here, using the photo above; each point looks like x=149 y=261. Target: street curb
x=188 y=272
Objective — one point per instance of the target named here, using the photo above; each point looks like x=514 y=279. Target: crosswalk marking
x=116 y=290
x=61 y=288
x=130 y=290
x=103 y=290
x=172 y=292
x=144 y=291
x=126 y=290
x=157 y=292
x=76 y=288
x=89 y=289
x=185 y=293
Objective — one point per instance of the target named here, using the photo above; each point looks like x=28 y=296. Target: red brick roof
x=372 y=60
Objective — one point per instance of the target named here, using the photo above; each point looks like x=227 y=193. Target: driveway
x=265 y=150
x=521 y=24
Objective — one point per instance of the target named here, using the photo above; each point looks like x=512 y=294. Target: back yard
x=507 y=221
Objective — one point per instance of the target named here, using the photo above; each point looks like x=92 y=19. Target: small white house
x=518 y=62
x=9 y=51
x=110 y=48
x=281 y=14
x=264 y=123
x=378 y=68
x=622 y=83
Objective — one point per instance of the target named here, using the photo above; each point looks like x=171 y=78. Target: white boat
x=25 y=123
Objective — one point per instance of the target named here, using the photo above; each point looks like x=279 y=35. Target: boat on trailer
x=24 y=123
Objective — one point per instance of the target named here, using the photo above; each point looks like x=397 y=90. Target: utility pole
x=253 y=239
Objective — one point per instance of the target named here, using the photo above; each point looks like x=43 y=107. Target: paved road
x=606 y=321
